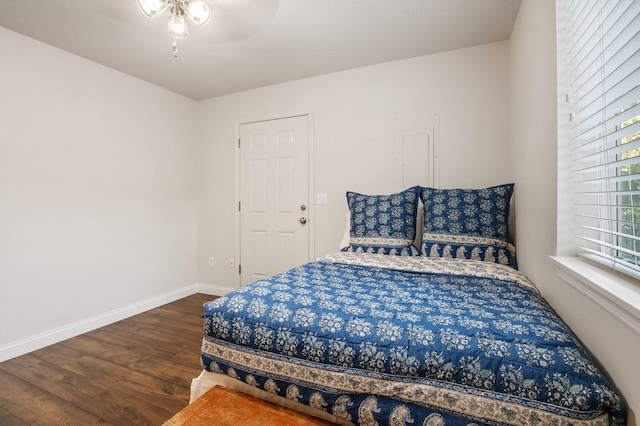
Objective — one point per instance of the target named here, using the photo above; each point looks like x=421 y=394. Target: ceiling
x=255 y=43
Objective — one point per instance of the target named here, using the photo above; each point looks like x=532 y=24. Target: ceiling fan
x=199 y=12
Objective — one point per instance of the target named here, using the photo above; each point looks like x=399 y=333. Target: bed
x=447 y=333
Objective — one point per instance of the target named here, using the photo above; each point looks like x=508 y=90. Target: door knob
x=302 y=220
x=303 y=207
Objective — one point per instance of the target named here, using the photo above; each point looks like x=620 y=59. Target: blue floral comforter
x=377 y=339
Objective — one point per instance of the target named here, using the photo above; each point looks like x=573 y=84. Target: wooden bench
x=228 y=407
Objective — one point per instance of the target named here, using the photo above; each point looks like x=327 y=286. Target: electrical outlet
x=232 y=262
x=322 y=198
x=212 y=262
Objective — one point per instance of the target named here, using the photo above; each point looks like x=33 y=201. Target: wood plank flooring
x=134 y=372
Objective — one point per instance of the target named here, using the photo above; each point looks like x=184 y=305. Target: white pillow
x=347 y=232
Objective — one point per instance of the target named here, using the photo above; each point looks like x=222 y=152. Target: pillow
x=344 y=242
x=467 y=223
x=384 y=224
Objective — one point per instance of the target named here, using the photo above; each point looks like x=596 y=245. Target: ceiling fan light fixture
x=198 y=11
x=151 y=8
x=178 y=27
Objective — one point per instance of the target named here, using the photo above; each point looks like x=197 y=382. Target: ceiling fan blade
x=234 y=20
x=251 y=6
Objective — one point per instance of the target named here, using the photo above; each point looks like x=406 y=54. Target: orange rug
x=228 y=407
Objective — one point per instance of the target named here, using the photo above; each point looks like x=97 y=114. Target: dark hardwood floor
x=133 y=372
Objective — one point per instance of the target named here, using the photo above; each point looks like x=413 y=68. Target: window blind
x=603 y=62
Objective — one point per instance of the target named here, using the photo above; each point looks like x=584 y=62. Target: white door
x=274 y=198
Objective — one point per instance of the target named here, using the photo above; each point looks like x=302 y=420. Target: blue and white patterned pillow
x=467 y=223
x=383 y=224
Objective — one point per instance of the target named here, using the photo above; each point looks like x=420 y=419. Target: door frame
x=311 y=182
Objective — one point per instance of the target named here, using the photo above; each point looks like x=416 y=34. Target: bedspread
x=379 y=339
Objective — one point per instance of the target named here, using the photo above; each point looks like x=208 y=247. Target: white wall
x=533 y=167
x=97 y=190
x=353 y=137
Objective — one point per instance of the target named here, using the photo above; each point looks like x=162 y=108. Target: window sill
x=618 y=295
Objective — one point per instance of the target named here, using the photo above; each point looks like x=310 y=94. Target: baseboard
x=214 y=290
x=41 y=340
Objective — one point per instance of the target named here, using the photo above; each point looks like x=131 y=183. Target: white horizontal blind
x=603 y=58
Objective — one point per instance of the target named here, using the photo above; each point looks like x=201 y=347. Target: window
x=603 y=95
